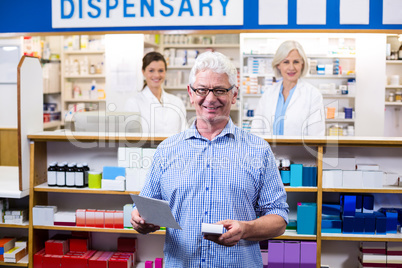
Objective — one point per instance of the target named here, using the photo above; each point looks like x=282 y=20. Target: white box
x=129 y=157
x=43 y=215
x=114 y=185
x=339 y=163
x=133 y=179
x=352 y=178
x=367 y=167
x=332 y=178
x=127 y=215
x=372 y=179
x=65 y=216
x=212 y=229
x=147 y=157
x=391 y=179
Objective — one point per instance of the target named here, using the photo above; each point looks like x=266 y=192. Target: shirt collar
x=228 y=130
x=148 y=93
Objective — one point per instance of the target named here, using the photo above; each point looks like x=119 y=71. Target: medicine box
x=352 y=179
x=332 y=178
x=307 y=218
x=276 y=250
x=308 y=254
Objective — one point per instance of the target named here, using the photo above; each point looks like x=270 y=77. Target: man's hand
x=140 y=225
x=235 y=231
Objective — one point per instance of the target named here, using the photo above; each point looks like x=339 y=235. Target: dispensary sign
x=132 y=13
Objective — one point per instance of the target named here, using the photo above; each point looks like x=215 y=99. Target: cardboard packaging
x=308 y=254
x=276 y=250
x=292 y=254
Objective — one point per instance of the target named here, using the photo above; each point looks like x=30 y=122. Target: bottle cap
x=53 y=164
x=71 y=165
x=79 y=165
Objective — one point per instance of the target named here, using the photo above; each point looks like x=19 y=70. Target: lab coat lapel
x=275 y=96
x=296 y=94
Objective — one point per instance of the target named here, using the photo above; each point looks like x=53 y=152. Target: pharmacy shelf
x=384 y=190
x=259 y=55
x=180 y=67
x=51 y=124
x=150 y=44
x=301 y=189
x=393 y=87
x=22 y=263
x=83 y=52
x=22 y=226
x=387 y=103
x=394 y=61
x=183 y=87
x=337 y=96
x=93 y=229
x=340 y=120
x=292 y=234
x=334 y=76
x=90 y=76
x=45 y=188
x=83 y=100
x=252 y=95
x=361 y=237
x=333 y=56
x=201 y=45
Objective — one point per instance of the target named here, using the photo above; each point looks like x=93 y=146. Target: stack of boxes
x=355 y=215
x=301 y=254
x=12 y=250
x=74 y=252
x=380 y=254
x=297 y=175
x=345 y=173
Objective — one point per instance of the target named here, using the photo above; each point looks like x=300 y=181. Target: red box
x=118 y=219
x=120 y=262
x=38 y=258
x=127 y=244
x=100 y=259
x=109 y=218
x=79 y=260
x=78 y=244
x=56 y=247
x=51 y=261
x=80 y=217
x=100 y=219
x=90 y=218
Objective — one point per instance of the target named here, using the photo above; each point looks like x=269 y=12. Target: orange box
x=100 y=219
x=109 y=218
x=90 y=217
x=80 y=217
x=118 y=221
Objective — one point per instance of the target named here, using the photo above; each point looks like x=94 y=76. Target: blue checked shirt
x=234 y=176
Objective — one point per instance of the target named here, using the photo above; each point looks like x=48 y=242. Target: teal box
x=307 y=218
x=285 y=175
x=296 y=175
x=310 y=176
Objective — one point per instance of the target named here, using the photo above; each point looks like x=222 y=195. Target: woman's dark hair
x=150 y=57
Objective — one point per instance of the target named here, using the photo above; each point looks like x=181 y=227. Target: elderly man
x=215 y=172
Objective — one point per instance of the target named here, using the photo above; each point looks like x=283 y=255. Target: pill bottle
x=61 y=175
x=51 y=174
x=70 y=175
x=79 y=176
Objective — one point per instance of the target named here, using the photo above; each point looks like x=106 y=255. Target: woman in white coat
x=291 y=107
x=161 y=112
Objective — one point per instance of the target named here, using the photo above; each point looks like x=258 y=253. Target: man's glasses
x=218 y=92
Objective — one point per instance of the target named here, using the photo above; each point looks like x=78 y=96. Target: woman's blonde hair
x=283 y=51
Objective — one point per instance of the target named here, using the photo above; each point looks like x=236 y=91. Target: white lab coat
x=165 y=117
x=304 y=114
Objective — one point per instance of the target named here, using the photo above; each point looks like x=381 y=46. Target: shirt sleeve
x=272 y=199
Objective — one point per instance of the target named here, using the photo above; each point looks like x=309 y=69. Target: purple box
x=158 y=263
x=264 y=255
x=149 y=264
x=292 y=254
x=308 y=254
x=276 y=250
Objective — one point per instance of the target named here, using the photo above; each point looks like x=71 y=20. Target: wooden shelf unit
x=40 y=192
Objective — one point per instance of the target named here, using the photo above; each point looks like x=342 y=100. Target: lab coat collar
x=149 y=95
x=228 y=130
